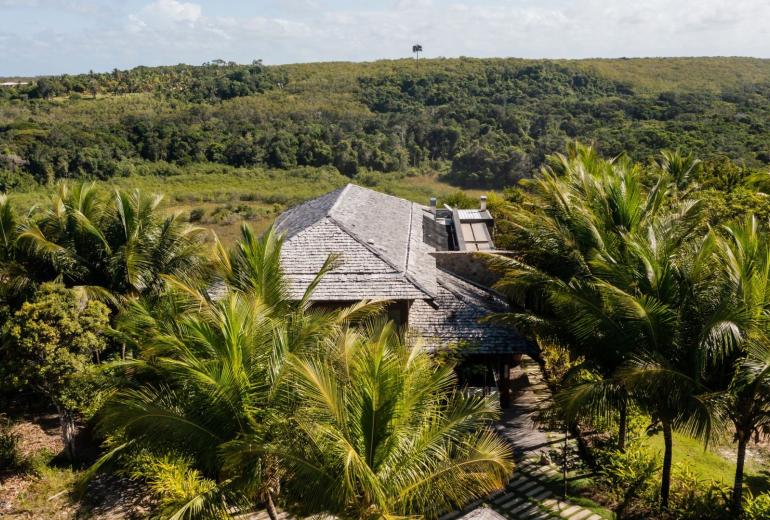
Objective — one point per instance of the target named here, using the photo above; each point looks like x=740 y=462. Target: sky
x=73 y=36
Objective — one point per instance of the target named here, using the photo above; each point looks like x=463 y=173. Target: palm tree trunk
x=623 y=424
x=272 y=512
x=665 y=481
x=738 y=483
x=67 y=421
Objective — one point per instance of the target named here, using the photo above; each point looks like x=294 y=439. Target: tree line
x=484 y=123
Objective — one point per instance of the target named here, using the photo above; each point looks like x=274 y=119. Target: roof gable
x=373 y=233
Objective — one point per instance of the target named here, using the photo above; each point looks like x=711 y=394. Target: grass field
x=228 y=196
x=711 y=464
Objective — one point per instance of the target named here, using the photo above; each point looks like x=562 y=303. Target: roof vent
x=483 y=203
x=433 y=205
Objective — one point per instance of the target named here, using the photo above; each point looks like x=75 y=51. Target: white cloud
x=172 y=31
x=171 y=10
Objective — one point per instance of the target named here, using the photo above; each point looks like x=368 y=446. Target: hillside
x=477 y=122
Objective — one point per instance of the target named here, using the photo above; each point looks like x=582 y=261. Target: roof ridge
x=379 y=255
x=338 y=199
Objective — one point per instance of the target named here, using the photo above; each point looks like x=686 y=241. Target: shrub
x=627 y=475
x=197 y=214
x=170 y=476
x=694 y=499
x=756 y=507
x=10 y=454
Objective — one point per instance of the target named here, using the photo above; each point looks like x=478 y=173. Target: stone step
x=524 y=487
x=523 y=506
x=570 y=511
x=581 y=515
x=515 y=501
x=535 y=491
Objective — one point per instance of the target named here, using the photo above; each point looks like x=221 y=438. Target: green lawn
x=709 y=465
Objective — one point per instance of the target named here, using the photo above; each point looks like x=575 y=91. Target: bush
x=627 y=475
x=694 y=499
x=10 y=454
x=170 y=476
x=197 y=214
x=756 y=507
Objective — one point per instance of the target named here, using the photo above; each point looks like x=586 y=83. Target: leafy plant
x=628 y=475
x=695 y=499
x=756 y=507
x=10 y=453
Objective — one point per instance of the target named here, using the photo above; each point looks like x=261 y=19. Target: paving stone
x=594 y=517
x=528 y=485
x=581 y=515
x=535 y=491
x=513 y=503
x=541 y=496
x=522 y=507
x=528 y=513
x=570 y=511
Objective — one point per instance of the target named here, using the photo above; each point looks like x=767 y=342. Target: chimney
x=433 y=205
x=483 y=202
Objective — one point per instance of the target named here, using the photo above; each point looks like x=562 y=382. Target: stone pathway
x=531 y=494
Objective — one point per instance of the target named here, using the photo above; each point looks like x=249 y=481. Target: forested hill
x=481 y=122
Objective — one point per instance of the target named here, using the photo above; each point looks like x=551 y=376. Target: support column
x=504 y=383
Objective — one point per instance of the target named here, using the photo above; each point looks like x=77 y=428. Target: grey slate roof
x=385 y=247
x=378 y=236
x=454 y=317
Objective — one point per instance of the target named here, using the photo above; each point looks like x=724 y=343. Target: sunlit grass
x=265 y=192
x=707 y=464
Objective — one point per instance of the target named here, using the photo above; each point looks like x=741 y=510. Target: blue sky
x=58 y=36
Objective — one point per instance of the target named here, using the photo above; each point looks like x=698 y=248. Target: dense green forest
x=478 y=122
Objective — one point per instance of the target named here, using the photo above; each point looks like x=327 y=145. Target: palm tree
x=613 y=266
x=384 y=433
x=682 y=169
x=685 y=326
x=212 y=372
x=14 y=280
x=745 y=261
x=121 y=246
x=571 y=226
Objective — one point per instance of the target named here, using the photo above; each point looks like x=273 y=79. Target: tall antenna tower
x=417 y=49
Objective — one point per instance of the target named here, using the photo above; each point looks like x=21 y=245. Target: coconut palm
x=682 y=169
x=745 y=261
x=570 y=228
x=118 y=246
x=384 y=433
x=211 y=372
x=686 y=327
x=14 y=280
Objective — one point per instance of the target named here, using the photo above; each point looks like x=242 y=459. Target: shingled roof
x=386 y=254
x=379 y=239
x=454 y=317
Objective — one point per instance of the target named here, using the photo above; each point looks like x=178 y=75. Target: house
x=420 y=258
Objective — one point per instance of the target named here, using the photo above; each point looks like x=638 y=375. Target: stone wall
x=469 y=265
